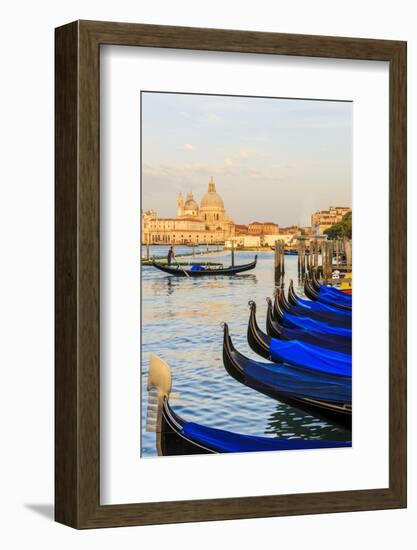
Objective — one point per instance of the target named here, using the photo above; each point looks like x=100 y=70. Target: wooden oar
x=189 y=276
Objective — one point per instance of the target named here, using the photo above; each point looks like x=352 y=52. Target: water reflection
x=290 y=422
x=181 y=320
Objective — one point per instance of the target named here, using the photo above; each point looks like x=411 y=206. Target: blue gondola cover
x=298 y=383
x=310 y=304
x=308 y=356
x=306 y=323
x=224 y=441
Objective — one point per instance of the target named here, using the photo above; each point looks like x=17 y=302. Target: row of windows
x=181 y=239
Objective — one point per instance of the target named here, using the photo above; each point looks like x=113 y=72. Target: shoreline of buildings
x=208 y=223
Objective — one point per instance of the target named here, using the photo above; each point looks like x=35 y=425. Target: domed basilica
x=211 y=210
x=204 y=224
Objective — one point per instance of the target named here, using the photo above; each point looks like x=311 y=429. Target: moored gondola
x=175 y=436
x=341 y=328
x=258 y=341
x=292 y=297
x=324 y=314
x=276 y=331
x=273 y=327
x=314 y=282
x=202 y=271
x=337 y=292
x=328 y=297
x=295 y=300
x=324 y=396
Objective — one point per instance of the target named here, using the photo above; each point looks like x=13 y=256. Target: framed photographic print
x=230 y=274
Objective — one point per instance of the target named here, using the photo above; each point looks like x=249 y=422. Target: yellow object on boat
x=346 y=283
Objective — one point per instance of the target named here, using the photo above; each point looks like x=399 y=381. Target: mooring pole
x=348 y=255
x=233 y=253
x=277 y=267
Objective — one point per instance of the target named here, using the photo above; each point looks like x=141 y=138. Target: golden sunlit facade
x=194 y=224
x=323 y=219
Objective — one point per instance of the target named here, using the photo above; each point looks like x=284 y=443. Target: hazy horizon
x=272 y=159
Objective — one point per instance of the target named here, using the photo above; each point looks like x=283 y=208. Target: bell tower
x=212 y=185
x=180 y=206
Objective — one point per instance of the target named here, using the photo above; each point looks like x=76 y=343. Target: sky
x=272 y=159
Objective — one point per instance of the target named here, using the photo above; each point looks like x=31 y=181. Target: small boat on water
x=310 y=309
x=302 y=316
x=295 y=300
x=277 y=331
x=329 y=296
x=204 y=271
x=260 y=342
x=287 y=251
x=329 y=397
x=340 y=292
x=306 y=356
x=175 y=436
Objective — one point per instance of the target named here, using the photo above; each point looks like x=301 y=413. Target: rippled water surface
x=181 y=322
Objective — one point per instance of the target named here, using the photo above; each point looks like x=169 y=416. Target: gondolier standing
x=171 y=254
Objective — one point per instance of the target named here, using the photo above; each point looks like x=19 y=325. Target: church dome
x=211 y=200
x=190 y=204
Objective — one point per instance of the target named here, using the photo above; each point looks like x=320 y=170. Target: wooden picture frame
x=77 y=405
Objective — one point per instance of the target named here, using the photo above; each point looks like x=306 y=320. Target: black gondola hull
x=178 y=271
x=172 y=441
x=259 y=343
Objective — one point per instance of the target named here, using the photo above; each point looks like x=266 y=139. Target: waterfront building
x=241 y=229
x=290 y=230
x=263 y=228
x=254 y=241
x=323 y=219
x=205 y=224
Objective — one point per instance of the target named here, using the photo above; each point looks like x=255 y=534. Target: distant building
x=323 y=219
x=241 y=229
x=290 y=230
x=204 y=224
x=263 y=228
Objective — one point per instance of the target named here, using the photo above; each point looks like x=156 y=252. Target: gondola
x=282 y=308
x=324 y=396
x=315 y=284
x=294 y=300
x=340 y=330
x=201 y=271
x=175 y=436
x=310 y=357
x=336 y=294
x=260 y=342
x=327 y=297
x=332 y=291
x=299 y=352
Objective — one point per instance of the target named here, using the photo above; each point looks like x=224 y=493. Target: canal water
x=181 y=322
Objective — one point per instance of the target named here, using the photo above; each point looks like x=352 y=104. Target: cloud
x=214 y=120
x=188 y=147
x=246 y=152
x=192 y=171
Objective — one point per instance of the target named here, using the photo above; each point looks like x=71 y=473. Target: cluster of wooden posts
x=319 y=256
x=279 y=262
